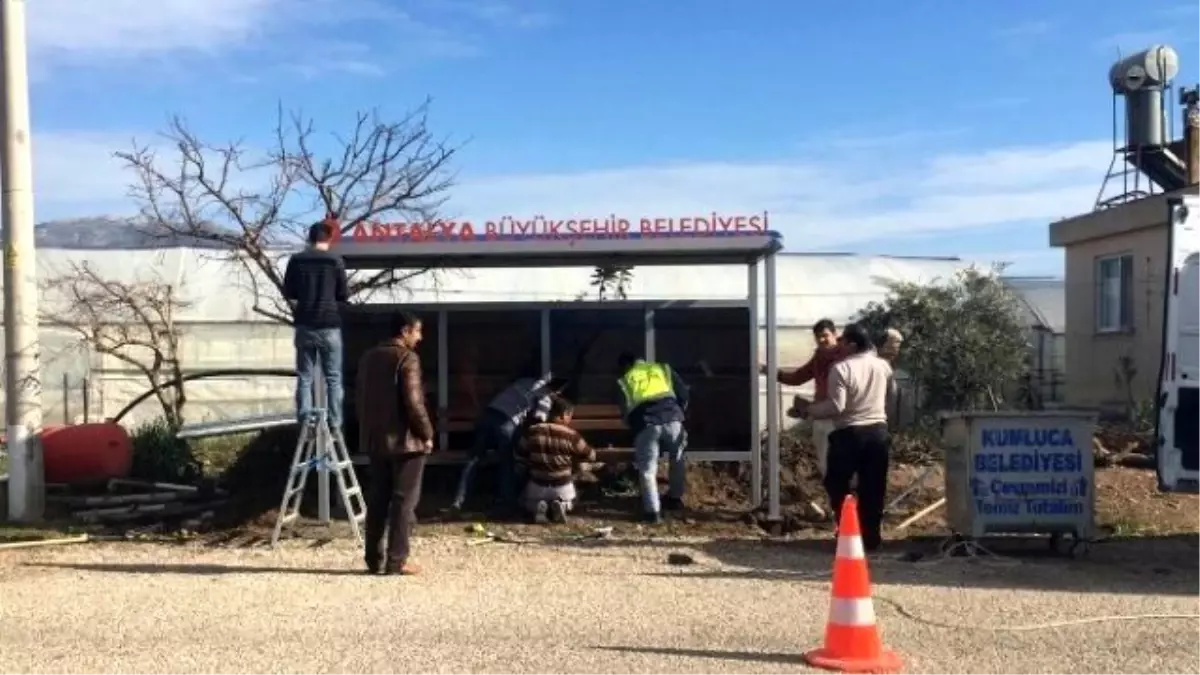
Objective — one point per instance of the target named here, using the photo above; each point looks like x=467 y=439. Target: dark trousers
x=494 y=431
x=863 y=452
x=392 y=504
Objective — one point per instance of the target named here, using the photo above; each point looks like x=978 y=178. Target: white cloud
x=500 y=13
x=1025 y=31
x=297 y=34
x=816 y=205
x=138 y=28
x=819 y=205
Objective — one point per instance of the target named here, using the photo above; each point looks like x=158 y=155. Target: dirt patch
x=1128 y=501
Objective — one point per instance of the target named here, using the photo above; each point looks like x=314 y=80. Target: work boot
x=373 y=564
x=558 y=512
x=871 y=541
x=401 y=569
x=672 y=504
x=540 y=513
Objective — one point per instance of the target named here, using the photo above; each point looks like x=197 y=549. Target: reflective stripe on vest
x=645 y=382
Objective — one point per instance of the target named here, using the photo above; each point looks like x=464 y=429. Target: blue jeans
x=494 y=431
x=660 y=439
x=322 y=346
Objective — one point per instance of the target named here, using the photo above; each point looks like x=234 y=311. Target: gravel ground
x=558 y=607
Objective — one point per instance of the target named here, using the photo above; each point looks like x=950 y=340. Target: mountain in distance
x=105 y=232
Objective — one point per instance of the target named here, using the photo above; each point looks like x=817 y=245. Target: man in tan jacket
x=395 y=431
x=859 y=446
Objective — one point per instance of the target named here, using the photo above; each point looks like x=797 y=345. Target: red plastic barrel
x=86 y=453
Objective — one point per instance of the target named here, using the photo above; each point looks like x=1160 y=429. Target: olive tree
x=965 y=337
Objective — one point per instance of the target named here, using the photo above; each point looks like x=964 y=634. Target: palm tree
x=610 y=280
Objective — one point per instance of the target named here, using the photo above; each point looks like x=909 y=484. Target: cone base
x=887 y=661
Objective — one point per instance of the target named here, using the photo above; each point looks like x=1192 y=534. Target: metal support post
x=773 y=507
x=756 y=449
x=650 y=341
x=443 y=378
x=544 y=317
x=323 y=443
x=23 y=401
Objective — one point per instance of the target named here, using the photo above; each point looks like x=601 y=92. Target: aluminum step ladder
x=323 y=450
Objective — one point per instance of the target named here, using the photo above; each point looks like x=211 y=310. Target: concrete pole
x=23 y=391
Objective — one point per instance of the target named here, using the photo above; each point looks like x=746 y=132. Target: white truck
x=1177 y=406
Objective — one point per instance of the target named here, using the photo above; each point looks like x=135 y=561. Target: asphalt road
x=597 y=607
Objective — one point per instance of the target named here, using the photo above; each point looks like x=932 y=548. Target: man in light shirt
x=859 y=387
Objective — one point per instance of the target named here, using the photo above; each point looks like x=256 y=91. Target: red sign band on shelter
x=541 y=227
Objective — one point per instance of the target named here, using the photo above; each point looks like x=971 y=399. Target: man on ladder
x=315 y=286
x=653 y=402
x=395 y=430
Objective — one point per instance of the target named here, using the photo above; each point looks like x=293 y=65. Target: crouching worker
x=551 y=452
x=497 y=429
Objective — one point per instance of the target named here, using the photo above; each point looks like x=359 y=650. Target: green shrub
x=158 y=455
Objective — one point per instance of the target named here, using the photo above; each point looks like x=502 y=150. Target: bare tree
x=248 y=206
x=131 y=322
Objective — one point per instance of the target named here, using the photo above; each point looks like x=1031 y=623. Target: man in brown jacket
x=395 y=431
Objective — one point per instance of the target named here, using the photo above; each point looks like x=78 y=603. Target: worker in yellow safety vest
x=654 y=400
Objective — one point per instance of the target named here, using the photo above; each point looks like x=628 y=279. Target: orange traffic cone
x=852 y=643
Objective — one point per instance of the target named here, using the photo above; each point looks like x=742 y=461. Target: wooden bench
x=588 y=417
x=453 y=457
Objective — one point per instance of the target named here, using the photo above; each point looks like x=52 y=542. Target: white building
x=221 y=329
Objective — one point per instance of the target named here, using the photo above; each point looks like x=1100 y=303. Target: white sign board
x=1024 y=473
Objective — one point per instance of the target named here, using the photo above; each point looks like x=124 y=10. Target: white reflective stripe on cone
x=852 y=612
x=850 y=548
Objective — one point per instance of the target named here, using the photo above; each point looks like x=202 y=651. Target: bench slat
x=460 y=456
x=463 y=426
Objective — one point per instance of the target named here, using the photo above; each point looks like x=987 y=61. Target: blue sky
x=917 y=128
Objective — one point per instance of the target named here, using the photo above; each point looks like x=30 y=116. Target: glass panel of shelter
x=486 y=350
x=709 y=347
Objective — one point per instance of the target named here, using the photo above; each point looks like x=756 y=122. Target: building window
x=1114 y=293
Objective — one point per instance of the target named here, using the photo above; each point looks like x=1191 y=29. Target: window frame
x=1124 y=309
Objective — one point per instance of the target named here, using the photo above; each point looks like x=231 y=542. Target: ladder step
x=289 y=517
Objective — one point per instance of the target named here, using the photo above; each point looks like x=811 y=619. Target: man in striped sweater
x=497 y=430
x=551 y=451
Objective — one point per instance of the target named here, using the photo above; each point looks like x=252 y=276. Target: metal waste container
x=1020 y=473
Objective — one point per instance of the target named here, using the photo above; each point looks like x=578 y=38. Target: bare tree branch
x=221 y=197
x=131 y=322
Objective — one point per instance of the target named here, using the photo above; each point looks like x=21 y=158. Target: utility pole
x=23 y=387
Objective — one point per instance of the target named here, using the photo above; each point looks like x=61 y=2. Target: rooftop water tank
x=1153 y=67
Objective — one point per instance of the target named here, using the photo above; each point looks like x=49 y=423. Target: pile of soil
x=1121 y=445
x=803 y=501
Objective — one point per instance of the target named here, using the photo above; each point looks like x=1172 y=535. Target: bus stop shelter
x=753 y=249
